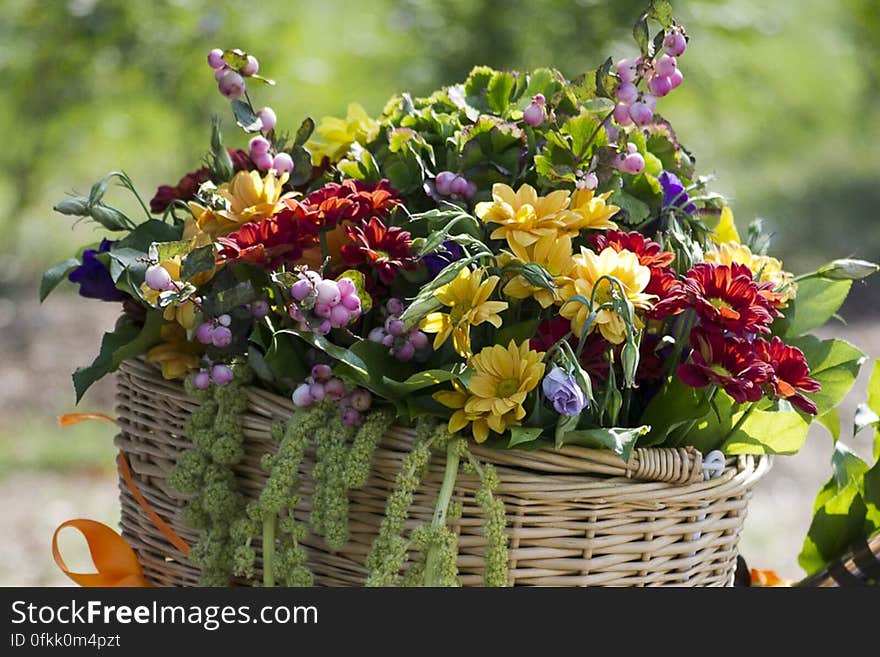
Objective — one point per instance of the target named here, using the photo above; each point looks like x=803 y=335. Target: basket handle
x=678 y=465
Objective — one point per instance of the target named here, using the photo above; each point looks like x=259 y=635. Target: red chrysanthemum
x=386 y=249
x=791 y=374
x=349 y=201
x=725 y=298
x=593 y=358
x=649 y=252
x=728 y=362
x=186 y=188
x=273 y=241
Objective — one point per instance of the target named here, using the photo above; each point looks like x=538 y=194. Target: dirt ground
x=40 y=345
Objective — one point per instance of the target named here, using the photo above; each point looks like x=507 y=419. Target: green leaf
x=674 y=407
x=830 y=419
x=167 y=250
x=543 y=81
x=518 y=332
x=54 y=275
x=302 y=166
x=620 y=440
x=245 y=118
x=818 y=300
x=633 y=209
x=834 y=364
x=581 y=128
x=523 y=435
x=661 y=11
x=874 y=388
x=419 y=381
x=640 y=34
x=227 y=300
x=198 y=261
x=768 y=432
x=499 y=90
x=126 y=341
x=282 y=360
x=305 y=130
x=236 y=59
x=605 y=82
x=221 y=163
x=864 y=418
x=146 y=233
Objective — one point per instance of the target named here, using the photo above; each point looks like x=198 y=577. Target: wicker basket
x=575 y=517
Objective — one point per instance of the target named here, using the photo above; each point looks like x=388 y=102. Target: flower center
x=719 y=303
x=507 y=387
x=721 y=371
x=525 y=215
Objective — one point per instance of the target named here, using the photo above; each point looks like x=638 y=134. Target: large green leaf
x=767 y=432
x=520 y=436
x=419 y=381
x=54 y=275
x=126 y=341
x=499 y=90
x=620 y=440
x=674 y=407
x=148 y=232
x=834 y=364
x=818 y=299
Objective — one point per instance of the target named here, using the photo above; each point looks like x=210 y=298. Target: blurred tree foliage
x=780 y=99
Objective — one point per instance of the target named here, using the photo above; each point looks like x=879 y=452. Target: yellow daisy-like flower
x=175 y=354
x=589 y=268
x=335 y=136
x=493 y=400
x=552 y=254
x=589 y=211
x=523 y=216
x=764 y=267
x=467 y=297
x=250 y=198
x=183 y=313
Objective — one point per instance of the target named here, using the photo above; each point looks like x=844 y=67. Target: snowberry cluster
x=321 y=385
x=403 y=344
x=230 y=81
x=218 y=374
x=260 y=151
x=320 y=304
x=215 y=332
x=447 y=183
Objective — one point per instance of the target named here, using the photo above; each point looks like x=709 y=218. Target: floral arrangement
x=521 y=260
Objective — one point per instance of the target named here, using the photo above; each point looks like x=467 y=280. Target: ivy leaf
x=818 y=300
x=834 y=364
x=198 y=261
x=620 y=440
x=245 y=118
x=54 y=275
x=767 y=432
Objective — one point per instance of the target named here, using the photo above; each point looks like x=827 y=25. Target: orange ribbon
x=115 y=561
x=69 y=419
x=768 y=578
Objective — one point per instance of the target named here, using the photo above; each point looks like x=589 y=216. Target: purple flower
x=673 y=192
x=448 y=253
x=563 y=392
x=94 y=278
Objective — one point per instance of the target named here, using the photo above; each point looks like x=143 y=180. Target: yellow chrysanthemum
x=764 y=267
x=588 y=211
x=523 y=216
x=249 y=198
x=183 y=313
x=588 y=269
x=335 y=136
x=175 y=354
x=467 y=297
x=552 y=254
x=493 y=400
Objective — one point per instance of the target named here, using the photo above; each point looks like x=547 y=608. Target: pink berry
x=221 y=374
x=224 y=320
x=157 y=278
x=665 y=65
x=264 y=161
x=377 y=334
x=220 y=72
x=674 y=44
x=443 y=182
x=215 y=58
x=221 y=337
x=322 y=310
x=346 y=287
x=631 y=148
x=471 y=190
x=633 y=163
x=283 y=163
x=626 y=69
x=395 y=327
x=328 y=292
x=201 y=380
x=267 y=118
x=316 y=391
x=258 y=145
x=295 y=314
x=352 y=303
x=324 y=327
x=301 y=396
x=312 y=276
x=591 y=181
x=339 y=316
x=361 y=399
x=231 y=85
x=301 y=289
x=388 y=340
x=334 y=389
x=459 y=186
x=394 y=306
x=405 y=352
x=321 y=372
x=650 y=101
x=539 y=99
x=533 y=115
x=259 y=309
x=659 y=86
x=205 y=332
x=640 y=113
x=675 y=78
x=621 y=114
x=418 y=339
x=252 y=66
x=627 y=93
x=352 y=418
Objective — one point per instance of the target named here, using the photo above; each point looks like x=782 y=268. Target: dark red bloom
x=791 y=374
x=725 y=298
x=728 y=362
x=186 y=188
x=652 y=364
x=549 y=332
x=593 y=358
x=274 y=241
x=386 y=249
x=650 y=253
x=670 y=292
x=351 y=200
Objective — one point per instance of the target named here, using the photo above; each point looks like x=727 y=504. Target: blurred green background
x=781 y=101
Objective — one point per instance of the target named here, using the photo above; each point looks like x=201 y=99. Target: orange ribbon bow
x=115 y=561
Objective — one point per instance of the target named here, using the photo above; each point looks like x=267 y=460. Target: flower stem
x=442 y=506
x=269 y=551
x=322 y=236
x=742 y=419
